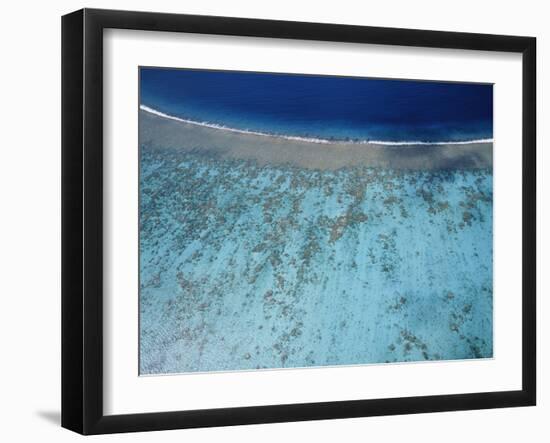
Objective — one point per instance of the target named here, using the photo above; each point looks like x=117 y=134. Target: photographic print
x=295 y=221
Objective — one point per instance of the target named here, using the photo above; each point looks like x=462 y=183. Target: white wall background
x=30 y=219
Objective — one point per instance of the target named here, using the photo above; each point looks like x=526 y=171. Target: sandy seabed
x=158 y=132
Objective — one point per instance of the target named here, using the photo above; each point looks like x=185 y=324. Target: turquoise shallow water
x=245 y=267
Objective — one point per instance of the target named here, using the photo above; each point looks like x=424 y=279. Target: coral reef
x=249 y=266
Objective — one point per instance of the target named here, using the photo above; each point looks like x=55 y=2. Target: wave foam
x=308 y=139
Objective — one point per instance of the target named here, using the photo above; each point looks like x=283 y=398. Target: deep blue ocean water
x=323 y=106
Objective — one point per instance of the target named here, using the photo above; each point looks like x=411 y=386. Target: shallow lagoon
x=245 y=266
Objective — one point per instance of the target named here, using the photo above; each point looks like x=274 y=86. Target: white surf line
x=310 y=140
x=416 y=143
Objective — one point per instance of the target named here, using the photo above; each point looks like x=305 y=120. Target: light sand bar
x=158 y=132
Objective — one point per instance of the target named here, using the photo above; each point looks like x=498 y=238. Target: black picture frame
x=82 y=218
